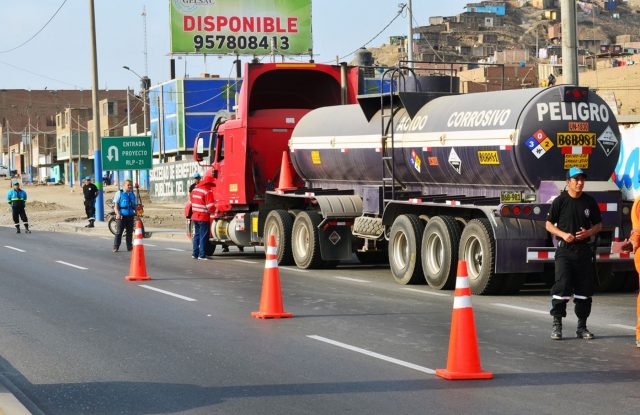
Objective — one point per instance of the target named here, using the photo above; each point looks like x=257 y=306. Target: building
x=181 y=108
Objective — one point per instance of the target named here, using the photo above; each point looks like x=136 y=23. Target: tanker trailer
x=456 y=177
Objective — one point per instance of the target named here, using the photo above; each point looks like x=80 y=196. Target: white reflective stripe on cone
x=137 y=242
x=272 y=250
x=271 y=263
x=462 y=282
x=462 y=302
x=138 y=231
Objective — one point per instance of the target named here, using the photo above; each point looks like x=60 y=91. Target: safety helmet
x=196 y=175
x=207 y=181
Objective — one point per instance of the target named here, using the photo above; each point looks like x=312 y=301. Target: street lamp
x=145 y=83
x=144 y=86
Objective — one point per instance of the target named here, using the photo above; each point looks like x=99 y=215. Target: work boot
x=90 y=225
x=26 y=229
x=583 y=332
x=17 y=229
x=556 y=333
x=115 y=249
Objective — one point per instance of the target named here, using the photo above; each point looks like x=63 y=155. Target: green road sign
x=126 y=153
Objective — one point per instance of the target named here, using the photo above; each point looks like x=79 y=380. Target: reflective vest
x=17 y=198
x=202 y=203
x=126 y=202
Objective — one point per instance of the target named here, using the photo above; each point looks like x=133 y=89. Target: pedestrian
x=574 y=217
x=106 y=179
x=17 y=198
x=632 y=244
x=124 y=204
x=202 y=205
x=90 y=192
x=551 y=80
x=196 y=179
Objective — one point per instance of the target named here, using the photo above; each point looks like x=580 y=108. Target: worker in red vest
x=202 y=205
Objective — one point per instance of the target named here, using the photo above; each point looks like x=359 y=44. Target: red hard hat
x=207 y=181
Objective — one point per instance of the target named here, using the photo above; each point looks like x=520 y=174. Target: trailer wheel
x=279 y=224
x=304 y=240
x=405 y=240
x=440 y=242
x=477 y=248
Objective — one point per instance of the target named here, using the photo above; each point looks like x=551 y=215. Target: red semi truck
x=420 y=179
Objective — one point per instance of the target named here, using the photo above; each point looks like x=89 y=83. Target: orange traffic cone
x=464 y=357
x=271 y=298
x=138 y=267
x=286 y=180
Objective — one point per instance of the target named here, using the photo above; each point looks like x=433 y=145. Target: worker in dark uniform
x=124 y=203
x=90 y=192
x=574 y=217
x=17 y=198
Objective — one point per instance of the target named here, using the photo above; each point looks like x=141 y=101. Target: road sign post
x=126 y=153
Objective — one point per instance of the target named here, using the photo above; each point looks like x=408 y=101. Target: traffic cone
x=286 y=180
x=464 y=358
x=271 y=298
x=138 y=267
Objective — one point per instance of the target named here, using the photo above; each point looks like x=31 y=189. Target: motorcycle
x=112 y=222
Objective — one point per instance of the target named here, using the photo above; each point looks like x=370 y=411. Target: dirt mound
x=37 y=206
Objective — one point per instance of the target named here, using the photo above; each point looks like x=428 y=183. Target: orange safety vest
x=635 y=239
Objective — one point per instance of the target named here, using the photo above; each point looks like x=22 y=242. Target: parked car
x=4 y=171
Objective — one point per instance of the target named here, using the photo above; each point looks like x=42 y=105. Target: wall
x=169 y=182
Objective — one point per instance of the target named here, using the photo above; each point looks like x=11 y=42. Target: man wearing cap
x=196 y=179
x=90 y=192
x=17 y=198
x=574 y=217
x=202 y=205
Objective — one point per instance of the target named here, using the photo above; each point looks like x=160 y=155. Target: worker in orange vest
x=633 y=243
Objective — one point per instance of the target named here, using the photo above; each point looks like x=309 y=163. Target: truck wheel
x=279 y=223
x=405 y=240
x=304 y=240
x=477 y=248
x=440 y=242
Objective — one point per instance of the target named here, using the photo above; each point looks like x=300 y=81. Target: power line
x=402 y=7
x=37 y=33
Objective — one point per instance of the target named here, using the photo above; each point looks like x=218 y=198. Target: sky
x=59 y=57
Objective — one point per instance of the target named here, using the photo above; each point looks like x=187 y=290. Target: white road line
x=182 y=297
x=15 y=249
x=245 y=261
x=149 y=245
x=622 y=326
x=71 y=265
x=294 y=269
x=174 y=249
x=373 y=354
x=106 y=239
x=416 y=290
x=350 y=279
x=529 y=310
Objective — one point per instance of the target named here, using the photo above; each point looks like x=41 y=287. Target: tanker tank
x=473 y=144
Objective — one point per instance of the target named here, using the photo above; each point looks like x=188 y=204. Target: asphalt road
x=75 y=338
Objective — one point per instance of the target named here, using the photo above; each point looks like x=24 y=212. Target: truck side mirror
x=198 y=149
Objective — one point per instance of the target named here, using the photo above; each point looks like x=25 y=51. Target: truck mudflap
x=603 y=254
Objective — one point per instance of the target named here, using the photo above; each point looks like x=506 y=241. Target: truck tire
x=477 y=248
x=440 y=242
x=280 y=223
x=405 y=240
x=305 y=245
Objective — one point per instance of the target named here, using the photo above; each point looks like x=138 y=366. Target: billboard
x=248 y=27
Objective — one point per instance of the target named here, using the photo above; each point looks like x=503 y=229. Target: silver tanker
x=460 y=177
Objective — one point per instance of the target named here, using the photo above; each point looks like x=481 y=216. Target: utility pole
x=410 y=37
x=569 y=42
x=97 y=150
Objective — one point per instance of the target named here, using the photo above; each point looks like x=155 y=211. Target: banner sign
x=248 y=27
x=170 y=181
